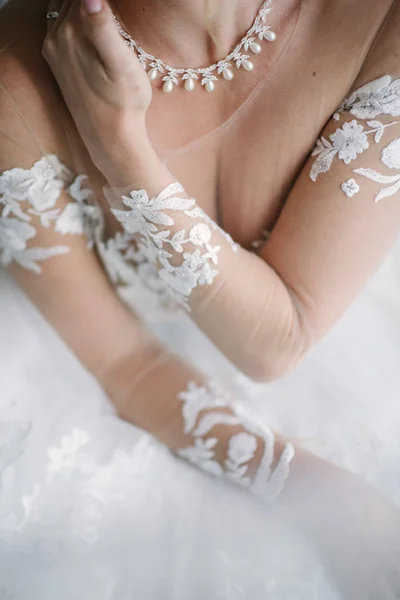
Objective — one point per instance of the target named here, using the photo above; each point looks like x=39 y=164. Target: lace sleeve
x=49 y=226
x=202 y=422
x=49 y=221
x=206 y=430
x=33 y=209
x=339 y=222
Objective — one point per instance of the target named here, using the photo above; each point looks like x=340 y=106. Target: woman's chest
x=239 y=152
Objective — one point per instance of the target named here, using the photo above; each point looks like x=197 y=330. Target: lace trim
x=267 y=483
x=148 y=220
x=379 y=98
x=41 y=187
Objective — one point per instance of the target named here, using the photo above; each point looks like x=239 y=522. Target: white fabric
x=93 y=508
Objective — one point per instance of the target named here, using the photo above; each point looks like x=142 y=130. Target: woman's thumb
x=100 y=28
x=93 y=7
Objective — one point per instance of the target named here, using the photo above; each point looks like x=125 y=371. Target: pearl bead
x=210 y=86
x=255 y=47
x=228 y=74
x=153 y=73
x=168 y=87
x=270 y=36
x=189 y=84
x=248 y=65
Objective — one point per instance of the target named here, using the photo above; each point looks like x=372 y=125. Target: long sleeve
x=339 y=222
x=50 y=227
x=48 y=232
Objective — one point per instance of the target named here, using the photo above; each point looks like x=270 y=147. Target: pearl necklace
x=172 y=77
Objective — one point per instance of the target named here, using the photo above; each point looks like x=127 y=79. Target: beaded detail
x=208 y=76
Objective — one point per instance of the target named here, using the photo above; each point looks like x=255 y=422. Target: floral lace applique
x=73 y=468
x=376 y=99
x=136 y=279
x=41 y=186
x=242 y=446
x=148 y=221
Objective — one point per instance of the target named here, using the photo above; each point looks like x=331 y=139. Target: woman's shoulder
x=32 y=111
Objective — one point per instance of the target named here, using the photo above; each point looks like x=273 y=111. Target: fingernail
x=93 y=6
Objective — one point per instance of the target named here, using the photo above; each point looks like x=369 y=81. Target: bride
x=200 y=301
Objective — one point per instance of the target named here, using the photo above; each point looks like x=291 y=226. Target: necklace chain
x=207 y=76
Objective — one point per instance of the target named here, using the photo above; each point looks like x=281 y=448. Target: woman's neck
x=191 y=32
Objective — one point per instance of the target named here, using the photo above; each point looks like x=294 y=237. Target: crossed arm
x=263 y=311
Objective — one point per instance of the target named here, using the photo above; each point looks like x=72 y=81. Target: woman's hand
x=106 y=89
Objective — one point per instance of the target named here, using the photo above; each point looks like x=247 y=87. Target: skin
x=330 y=51
x=172 y=122
x=331 y=62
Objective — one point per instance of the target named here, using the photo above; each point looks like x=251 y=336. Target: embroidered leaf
x=210 y=420
x=390 y=155
x=326 y=142
x=46 y=217
x=322 y=164
x=176 y=240
x=319 y=147
x=28 y=257
x=379 y=130
x=375 y=176
x=389 y=191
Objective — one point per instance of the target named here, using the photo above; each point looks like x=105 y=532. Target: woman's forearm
x=232 y=294
x=199 y=421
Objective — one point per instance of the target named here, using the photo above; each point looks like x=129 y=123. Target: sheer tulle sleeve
x=50 y=227
x=339 y=222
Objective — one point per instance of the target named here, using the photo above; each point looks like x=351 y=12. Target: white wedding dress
x=93 y=508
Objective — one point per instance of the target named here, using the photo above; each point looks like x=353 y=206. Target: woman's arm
x=49 y=229
x=339 y=222
x=49 y=255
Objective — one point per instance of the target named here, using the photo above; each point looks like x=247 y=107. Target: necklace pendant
x=207 y=77
x=270 y=35
x=255 y=47
x=168 y=87
x=189 y=84
x=247 y=65
x=153 y=74
x=210 y=86
x=227 y=74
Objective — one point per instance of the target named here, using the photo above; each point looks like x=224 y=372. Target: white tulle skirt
x=92 y=508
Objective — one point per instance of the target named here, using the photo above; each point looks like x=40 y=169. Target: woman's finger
x=52 y=10
x=99 y=27
x=63 y=10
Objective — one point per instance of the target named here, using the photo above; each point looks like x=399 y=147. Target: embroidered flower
x=193 y=260
x=206 y=275
x=379 y=97
x=144 y=220
x=201 y=455
x=14 y=235
x=200 y=234
x=197 y=398
x=181 y=279
x=242 y=447
x=349 y=141
x=350 y=188
x=41 y=185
